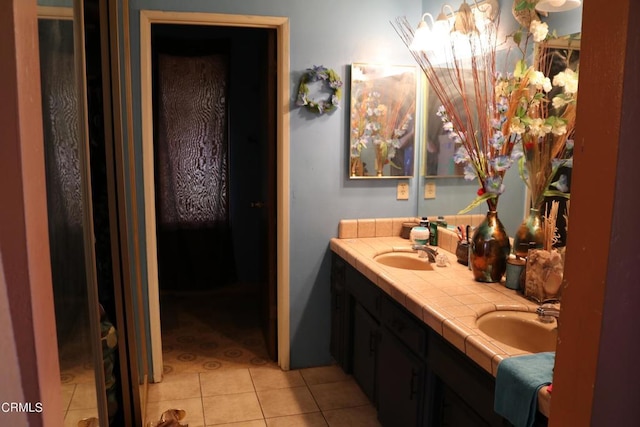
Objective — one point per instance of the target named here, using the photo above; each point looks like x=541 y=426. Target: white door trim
x=281 y=25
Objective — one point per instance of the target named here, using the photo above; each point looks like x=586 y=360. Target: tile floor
x=78 y=379
x=264 y=396
x=217 y=369
x=212 y=330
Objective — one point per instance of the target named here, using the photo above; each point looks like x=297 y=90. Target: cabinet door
x=466 y=383
x=365 y=343
x=401 y=378
x=454 y=412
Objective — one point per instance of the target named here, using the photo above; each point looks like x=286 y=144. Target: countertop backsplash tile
x=392 y=227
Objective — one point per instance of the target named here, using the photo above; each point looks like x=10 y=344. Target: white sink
x=404 y=260
x=519 y=329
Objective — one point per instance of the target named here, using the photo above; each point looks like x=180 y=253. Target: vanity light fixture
x=465 y=22
x=422 y=39
x=557 y=5
x=442 y=26
x=473 y=19
x=485 y=12
x=474 y=26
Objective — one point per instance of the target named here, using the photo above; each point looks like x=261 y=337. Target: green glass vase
x=529 y=231
x=490 y=249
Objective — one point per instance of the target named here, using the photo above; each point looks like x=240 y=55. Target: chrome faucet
x=425 y=251
x=548 y=312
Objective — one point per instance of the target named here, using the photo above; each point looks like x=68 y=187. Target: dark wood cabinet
x=463 y=385
x=452 y=411
x=365 y=347
x=412 y=374
x=401 y=383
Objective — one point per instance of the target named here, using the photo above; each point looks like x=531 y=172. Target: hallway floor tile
x=217 y=369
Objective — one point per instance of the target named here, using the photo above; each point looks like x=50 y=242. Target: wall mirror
x=556 y=55
x=382 y=121
x=438 y=149
x=559 y=53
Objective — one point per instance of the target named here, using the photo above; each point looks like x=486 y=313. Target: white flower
x=559 y=128
x=536 y=77
x=571 y=86
x=539 y=30
x=559 y=102
x=501 y=88
x=567 y=79
x=540 y=81
x=516 y=126
x=538 y=127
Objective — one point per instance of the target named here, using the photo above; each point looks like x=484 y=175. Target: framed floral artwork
x=382 y=121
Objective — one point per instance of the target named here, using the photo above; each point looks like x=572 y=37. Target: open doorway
x=248 y=235
x=214 y=152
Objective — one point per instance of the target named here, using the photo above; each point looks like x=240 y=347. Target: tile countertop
x=447 y=299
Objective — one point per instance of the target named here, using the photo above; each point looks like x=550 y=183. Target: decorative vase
x=357 y=168
x=544 y=273
x=490 y=249
x=529 y=231
x=380 y=160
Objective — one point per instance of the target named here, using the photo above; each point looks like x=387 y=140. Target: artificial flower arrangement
x=498 y=120
x=545 y=120
x=327 y=76
x=544 y=125
x=476 y=116
x=464 y=76
x=501 y=119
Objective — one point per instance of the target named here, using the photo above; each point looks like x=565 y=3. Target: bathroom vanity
x=410 y=337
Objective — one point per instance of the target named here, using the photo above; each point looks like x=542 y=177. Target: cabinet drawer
x=410 y=331
x=366 y=293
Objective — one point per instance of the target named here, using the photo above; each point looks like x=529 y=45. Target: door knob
x=257 y=205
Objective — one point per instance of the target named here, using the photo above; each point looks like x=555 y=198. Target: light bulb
x=556 y=5
x=422 y=37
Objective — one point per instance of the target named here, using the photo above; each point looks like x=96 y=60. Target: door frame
x=281 y=25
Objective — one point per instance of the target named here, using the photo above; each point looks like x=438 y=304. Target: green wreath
x=328 y=76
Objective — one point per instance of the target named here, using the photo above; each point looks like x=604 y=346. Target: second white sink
x=519 y=329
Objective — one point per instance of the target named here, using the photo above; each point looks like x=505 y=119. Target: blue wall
x=333 y=33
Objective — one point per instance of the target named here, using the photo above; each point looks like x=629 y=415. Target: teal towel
x=517 y=383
